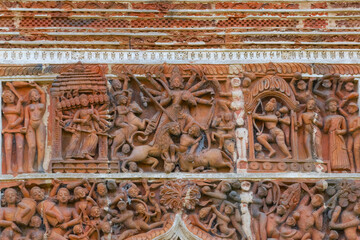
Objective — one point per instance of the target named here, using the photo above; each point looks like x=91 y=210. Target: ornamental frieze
x=181 y=118
x=180 y=209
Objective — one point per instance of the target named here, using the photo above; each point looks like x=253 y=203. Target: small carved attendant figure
x=190 y=141
x=302 y=92
x=225 y=128
x=238 y=103
x=14 y=115
x=36 y=233
x=126 y=217
x=285 y=122
x=7 y=215
x=122 y=109
x=275 y=134
x=69 y=214
x=244 y=199
x=328 y=83
x=354 y=129
x=335 y=126
x=312 y=123
x=259 y=151
x=348 y=93
x=36 y=132
x=349 y=221
x=79 y=233
x=223 y=220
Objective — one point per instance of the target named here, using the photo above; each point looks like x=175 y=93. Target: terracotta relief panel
x=24 y=105
x=142 y=209
x=182 y=118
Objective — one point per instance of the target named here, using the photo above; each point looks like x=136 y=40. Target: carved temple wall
x=179 y=120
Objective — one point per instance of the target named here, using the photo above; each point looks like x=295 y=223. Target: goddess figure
x=84 y=137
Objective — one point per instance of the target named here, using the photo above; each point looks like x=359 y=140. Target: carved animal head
x=135 y=108
x=189 y=157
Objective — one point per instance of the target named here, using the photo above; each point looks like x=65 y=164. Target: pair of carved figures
x=296 y=116
x=23 y=109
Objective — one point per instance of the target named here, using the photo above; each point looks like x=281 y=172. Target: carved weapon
x=141 y=86
x=259 y=131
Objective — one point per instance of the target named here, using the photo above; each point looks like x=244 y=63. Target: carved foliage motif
x=229 y=209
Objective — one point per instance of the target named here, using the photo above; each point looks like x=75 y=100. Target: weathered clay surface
x=171 y=118
x=199 y=209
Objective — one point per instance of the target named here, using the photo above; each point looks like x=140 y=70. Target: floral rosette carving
x=177 y=195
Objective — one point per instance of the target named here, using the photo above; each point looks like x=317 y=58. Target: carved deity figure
x=14 y=115
x=335 y=126
x=311 y=121
x=84 y=137
x=275 y=134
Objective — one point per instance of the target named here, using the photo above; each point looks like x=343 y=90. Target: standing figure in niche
x=14 y=115
x=36 y=131
x=335 y=126
x=354 y=130
x=275 y=134
x=312 y=123
x=84 y=138
x=7 y=215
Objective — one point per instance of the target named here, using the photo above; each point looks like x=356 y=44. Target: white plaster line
x=181 y=1
x=37 y=78
x=189 y=176
x=198 y=56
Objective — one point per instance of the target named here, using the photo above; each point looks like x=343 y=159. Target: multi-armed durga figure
x=177 y=97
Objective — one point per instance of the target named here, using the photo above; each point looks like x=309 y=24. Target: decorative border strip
x=188 y=176
x=200 y=56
